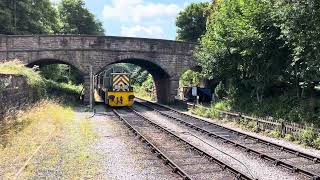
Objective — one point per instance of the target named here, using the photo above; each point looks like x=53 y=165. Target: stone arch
x=85 y=51
x=47 y=61
x=161 y=77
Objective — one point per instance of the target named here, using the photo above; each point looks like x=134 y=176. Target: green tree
x=77 y=19
x=190 y=78
x=191 y=22
x=28 y=17
x=242 y=43
x=300 y=25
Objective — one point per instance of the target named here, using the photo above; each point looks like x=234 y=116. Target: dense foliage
x=267 y=54
x=41 y=17
x=28 y=17
x=189 y=78
x=77 y=19
x=191 y=22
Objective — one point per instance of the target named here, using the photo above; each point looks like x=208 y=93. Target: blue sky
x=138 y=18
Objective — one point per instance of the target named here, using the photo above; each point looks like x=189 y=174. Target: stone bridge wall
x=166 y=60
x=15 y=95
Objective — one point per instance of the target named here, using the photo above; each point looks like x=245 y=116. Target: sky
x=138 y=18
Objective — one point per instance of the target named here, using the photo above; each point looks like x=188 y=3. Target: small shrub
x=275 y=133
x=223 y=105
x=220 y=91
x=317 y=142
x=289 y=137
x=213 y=113
x=307 y=136
x=253 y=126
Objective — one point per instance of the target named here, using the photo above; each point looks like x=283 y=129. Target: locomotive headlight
x=111 y=97
x=131 y=97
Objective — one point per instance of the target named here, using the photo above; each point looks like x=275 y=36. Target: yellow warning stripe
x=117 y=77
x=123 y=79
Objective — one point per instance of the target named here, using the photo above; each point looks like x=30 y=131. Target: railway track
x=185 y=159
x=291 y=159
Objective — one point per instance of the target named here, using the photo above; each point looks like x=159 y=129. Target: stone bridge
x=166 y=60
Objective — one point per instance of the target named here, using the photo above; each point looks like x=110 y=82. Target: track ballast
x=296 y=161
x=184 y=158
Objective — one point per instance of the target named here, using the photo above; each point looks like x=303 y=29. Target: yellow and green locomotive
x=115 y=88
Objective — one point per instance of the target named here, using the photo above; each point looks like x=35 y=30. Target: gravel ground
x=122 y=155
x=100 y=147
x=234 y=157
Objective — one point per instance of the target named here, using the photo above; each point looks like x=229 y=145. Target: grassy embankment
x=141 y=92
x=65 y=92
x=48 y=134
x=63 y=142
x=307 y=137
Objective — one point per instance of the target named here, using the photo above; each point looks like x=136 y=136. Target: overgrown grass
x=286 y=107
x=67 y=92
x=66 y=151
x=307 y=137
x=140 y=92
x=34 y=79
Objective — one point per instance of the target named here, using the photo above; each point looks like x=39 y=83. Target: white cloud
x=142 y=31
x=138 y=10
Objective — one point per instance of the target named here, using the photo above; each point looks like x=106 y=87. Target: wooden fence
x=265 y=123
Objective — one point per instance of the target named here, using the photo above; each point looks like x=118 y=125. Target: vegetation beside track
x=64 y=138
x=47 y=88
x=307 y=137
x=34 y=79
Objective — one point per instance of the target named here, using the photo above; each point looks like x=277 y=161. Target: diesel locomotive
x=114 y=86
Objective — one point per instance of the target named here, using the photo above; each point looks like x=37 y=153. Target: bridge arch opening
x=160 y=78
x=63 y=79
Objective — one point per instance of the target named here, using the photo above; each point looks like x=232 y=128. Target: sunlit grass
x=17 y=67
x=66 y=149
x=140 y=92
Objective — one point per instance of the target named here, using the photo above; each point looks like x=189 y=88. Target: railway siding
x=180 y=155
x=279 y=155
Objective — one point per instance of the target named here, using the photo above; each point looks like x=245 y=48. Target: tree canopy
x=191 y=22
x=77 y=19
x=41 y=17
x=28 y=17
x=266 y=51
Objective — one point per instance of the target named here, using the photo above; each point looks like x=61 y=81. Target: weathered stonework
x=15 y=94
x=165 y=60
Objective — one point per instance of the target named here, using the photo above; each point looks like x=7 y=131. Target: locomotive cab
x=115 y=87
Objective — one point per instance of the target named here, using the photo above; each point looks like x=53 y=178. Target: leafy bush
x=317 y=142
x=275 y=133
x=189 y=78
x=223 y=105
x=220 y=91
x=289 y=137
x=307 y=136
x=148 y=85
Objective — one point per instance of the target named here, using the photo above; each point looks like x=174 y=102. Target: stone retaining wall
x=15 y=95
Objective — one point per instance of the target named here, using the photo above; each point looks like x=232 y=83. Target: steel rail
x=154 y=149
x=246 y=136
x=237 y=174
